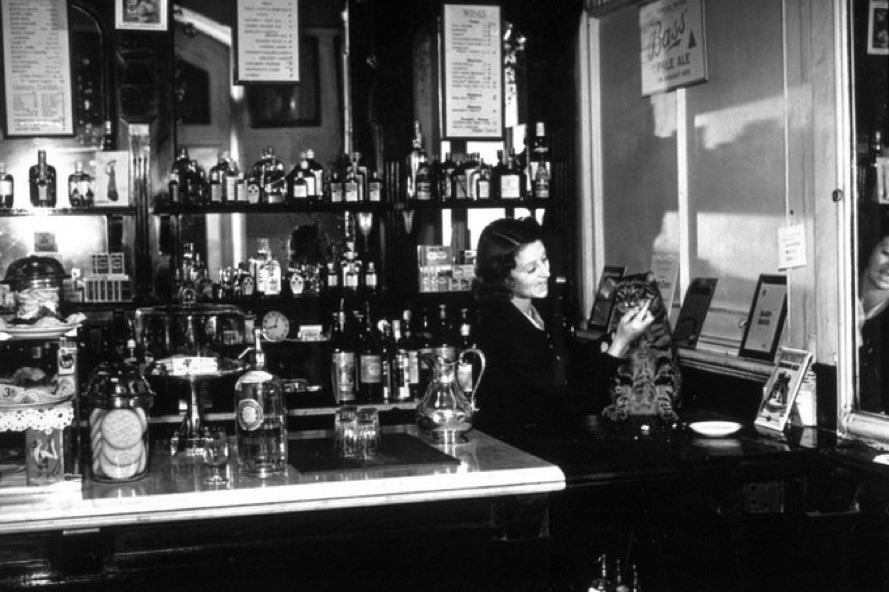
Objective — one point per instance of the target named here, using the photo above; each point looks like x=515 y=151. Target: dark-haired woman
x=525 y=384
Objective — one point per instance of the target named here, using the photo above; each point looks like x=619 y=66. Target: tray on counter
x=317 y=455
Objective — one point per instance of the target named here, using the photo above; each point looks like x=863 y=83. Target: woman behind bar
x=525 y=384
x=874 y=327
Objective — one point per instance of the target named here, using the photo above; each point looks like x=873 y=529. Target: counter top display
x=175 y=491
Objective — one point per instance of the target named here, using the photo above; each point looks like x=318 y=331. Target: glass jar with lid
x=119 y=399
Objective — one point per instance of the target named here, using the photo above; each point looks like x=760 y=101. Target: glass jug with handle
x=445 y=412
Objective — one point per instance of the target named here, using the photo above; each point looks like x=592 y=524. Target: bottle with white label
x=260 y=420
x=7 y=188
x=80 y=187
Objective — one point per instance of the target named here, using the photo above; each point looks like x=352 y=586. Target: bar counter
x=174 y=489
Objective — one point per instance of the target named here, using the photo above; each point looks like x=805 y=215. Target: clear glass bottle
x=317 y=173
x=218 y=178
x=7 y=188
x=260 y=425
x=42 y=178
x=80 y=187
x=375 y=188
x=539 y=158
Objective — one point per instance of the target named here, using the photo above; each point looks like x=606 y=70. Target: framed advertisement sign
x=781 y=389
x=267 y=41
x=141 y=15
x=472 y=72
x=673 y=45
x=766 y=318
x=37 y=68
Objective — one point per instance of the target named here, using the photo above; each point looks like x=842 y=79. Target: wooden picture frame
x=603 y=302
x=141 y=15
x=779 y=393
x=878 y=27
x=37 y=68
x=765 y=321
x=267 y=42
x=472 y=72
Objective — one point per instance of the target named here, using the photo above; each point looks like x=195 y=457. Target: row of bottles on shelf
x=268 y=181
x=42 y=183
x=383 y=362
x=512 y=177
x=264 y=276
x=604 y=582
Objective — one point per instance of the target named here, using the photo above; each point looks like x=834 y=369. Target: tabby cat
x=648 y=382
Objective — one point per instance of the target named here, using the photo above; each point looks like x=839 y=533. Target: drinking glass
x=216 y=455
x=344 y=426
x=367 y=433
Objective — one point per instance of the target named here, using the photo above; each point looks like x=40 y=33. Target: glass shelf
x=90 y=211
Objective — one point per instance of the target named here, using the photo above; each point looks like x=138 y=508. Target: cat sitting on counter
x=648 y=382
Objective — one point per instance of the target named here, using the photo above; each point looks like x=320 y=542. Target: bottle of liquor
x=274 y=182
x=483 y=181
x=461 y=179
x=425 y=347
x=351 y=184
x=370 y=363
x=342 y=361
x=42 y=178
x=217 y=179
x=336 y=190
x=602 y=583
x=399 y=368
x=539 y=158
x=178 y=185
x=201 y=194
x=465 y=369
x=332 y=279
x=299 y=185
x=512 y=179
x=374 y=188
x=260 y=426
x=445 y=345
x=636 y=584
x=370 y=278
x=273 y=275
x=387 y=358
x=408 y=355
x=360 y=175
x=108 y=139
x=231 y=177
x=473 y=171
x=446 y=178
x=80 y=187
x=423 y=179
x=413 y=161
x=619 y=585
x=317 y=173
x=7 y=188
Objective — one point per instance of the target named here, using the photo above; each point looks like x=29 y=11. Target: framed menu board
x=267 y=41
x=472 y=72
x=37 y=68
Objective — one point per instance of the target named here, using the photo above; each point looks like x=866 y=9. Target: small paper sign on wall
x=267 y=41
x=673 y=45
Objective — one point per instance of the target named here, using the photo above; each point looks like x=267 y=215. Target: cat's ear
x=649 y=277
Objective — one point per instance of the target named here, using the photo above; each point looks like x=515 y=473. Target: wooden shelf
x=285 y=208
x=88 y=211
x=468 y=204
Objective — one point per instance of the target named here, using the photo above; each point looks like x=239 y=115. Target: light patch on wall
x=663 y=110
x=728 y=125
x=667 y=239
x=736 y=245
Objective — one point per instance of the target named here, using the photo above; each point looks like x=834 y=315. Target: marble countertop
x=174 y=490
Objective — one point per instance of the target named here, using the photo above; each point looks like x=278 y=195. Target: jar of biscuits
x=119 y=400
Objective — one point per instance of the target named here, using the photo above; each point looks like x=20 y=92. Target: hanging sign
x=37 y=68
x=673 y=45
x=267 y=41
x=472 y=71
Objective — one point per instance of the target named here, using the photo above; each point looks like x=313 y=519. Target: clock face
x=275 y=326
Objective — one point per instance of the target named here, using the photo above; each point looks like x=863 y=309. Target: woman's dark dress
x=524 y=386
x=874 y=363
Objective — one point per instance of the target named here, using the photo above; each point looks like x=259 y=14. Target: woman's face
x=878 y=265
x=531 y=272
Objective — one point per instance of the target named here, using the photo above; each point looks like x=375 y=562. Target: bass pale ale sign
x=673 y=45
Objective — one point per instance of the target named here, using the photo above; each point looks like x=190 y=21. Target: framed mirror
x=863 y=410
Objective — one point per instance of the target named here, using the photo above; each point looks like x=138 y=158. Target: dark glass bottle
x=317 y=173
x=483 y=181
x=425 y=347
x=342 y=362
x=512 y=179
x=80 y=187
x=413 y=161
x=387 y=358
x=423 y=179
x=7 y=188
x=466 y=370
x=374 y=188
x=407 y=354
x=539 y=170
x=446 y=178
x=274 y=182
x=42 y=178
x=218 y=179
x=370 y=363
x=445 y=343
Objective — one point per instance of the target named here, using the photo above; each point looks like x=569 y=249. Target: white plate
x=37 y=332
x=715 y=429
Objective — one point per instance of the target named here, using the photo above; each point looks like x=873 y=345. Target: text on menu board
x=37 y=68
x=473 y=71
x=268 y=41
x=673 y=44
